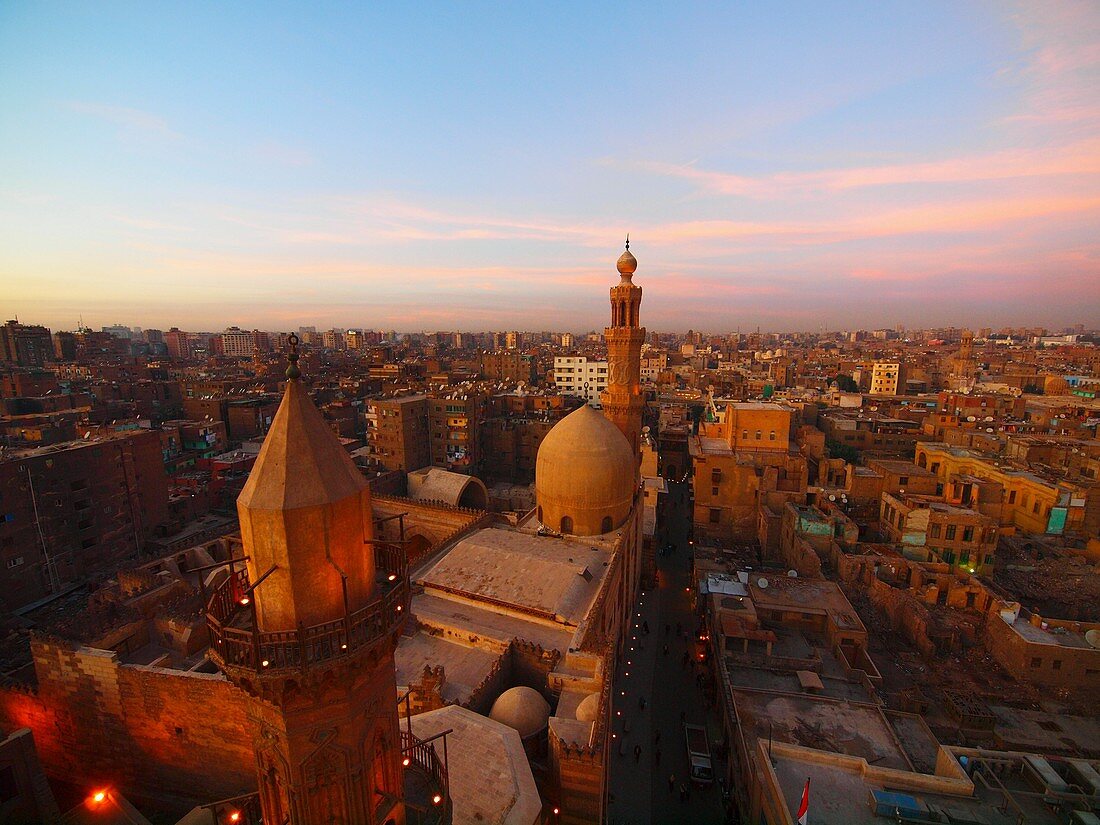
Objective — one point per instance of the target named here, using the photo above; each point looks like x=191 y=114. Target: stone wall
x=96 y=720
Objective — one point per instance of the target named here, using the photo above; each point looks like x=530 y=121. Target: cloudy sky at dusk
x=461 y=166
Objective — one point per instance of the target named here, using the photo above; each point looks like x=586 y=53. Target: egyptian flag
x=804 y=807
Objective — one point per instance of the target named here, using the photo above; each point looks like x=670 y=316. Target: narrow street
x=640 y=786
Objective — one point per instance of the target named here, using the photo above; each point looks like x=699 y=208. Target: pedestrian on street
x=671 y=782
x=657 y=756
x=656 y=738
x=641 y=703
x=666 y=650
x=683 y=792
x=637 y=752
x=645 y=627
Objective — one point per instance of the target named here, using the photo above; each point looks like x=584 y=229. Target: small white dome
x=589 y=707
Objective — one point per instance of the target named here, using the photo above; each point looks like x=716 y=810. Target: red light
x=557 y=811
x=405 y=761
x=235 y=816
x=97 y=798
x=437 y=799
x=244 y=599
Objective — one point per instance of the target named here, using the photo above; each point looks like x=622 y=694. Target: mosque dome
x=585 y=475
x=589 y=707
x=523 y=709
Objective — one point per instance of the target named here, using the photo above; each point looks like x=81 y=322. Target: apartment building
x=397 y=432
x=454 y=426
x=579 y=376
x=70 y=510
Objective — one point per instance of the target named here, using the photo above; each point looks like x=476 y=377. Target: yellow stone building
x=1029 y=502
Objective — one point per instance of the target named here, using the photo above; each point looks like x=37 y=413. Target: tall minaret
x=622 y=400
x=309 y=633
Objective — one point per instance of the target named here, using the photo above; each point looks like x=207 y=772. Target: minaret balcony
x=239 y=647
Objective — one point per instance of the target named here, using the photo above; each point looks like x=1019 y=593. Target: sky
x=469 y=166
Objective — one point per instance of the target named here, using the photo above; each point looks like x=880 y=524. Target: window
x=744 y=435
x=1036 y=662
x=935 y=531
x=715 y=514
x=968 y=534
x=771 y=436
x=903 y=481
x=606 y=525
x=714 y=491
x=758 y=435
x=950 y=536
x=1035 y=507
x=964 y=557
x=566 y=524
x=1056 y=664
x=1011 y=496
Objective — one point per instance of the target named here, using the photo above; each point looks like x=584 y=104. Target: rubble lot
x=970 y=670
x=1049 y=580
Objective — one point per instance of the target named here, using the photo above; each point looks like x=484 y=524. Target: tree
x=845 y=383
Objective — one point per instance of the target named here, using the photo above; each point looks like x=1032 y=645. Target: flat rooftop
x=840 y=795
x=855 y=729
x=464 y=667
x=548 y=577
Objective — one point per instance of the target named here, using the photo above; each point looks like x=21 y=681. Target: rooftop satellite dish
x=87 y=435
x=762 y=583
x=1093 y=638
x=989 y=418
x=971 y=418
x=792 y=574
x=832 y=497
x=989 y=429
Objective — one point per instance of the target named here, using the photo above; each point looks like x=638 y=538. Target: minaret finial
x=292 y=371
x=628 y=240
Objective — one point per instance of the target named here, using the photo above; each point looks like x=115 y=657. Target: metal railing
x=421 y=754
x=236 y=642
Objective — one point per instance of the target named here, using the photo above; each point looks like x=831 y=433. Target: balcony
x=239 y=647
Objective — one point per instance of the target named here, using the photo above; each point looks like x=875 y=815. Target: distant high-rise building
x=238 y=343
x=179 y=344
x=25 y=344
x=119 y=331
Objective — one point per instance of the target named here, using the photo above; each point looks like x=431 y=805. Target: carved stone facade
x=622 y=400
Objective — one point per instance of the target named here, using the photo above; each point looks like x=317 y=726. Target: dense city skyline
x=431 y=167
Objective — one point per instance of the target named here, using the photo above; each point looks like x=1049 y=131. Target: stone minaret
x=622 y=400
x=310 y=634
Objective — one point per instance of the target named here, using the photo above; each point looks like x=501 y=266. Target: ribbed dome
x=585 y=475
x=588 y=708
x=523 y=709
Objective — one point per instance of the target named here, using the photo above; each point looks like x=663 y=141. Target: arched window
x=922 y=460
x=606 y=525
x=566 y=524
